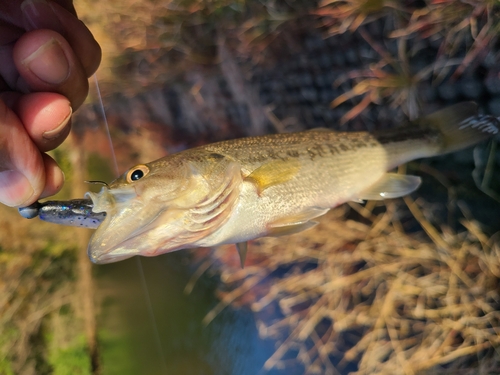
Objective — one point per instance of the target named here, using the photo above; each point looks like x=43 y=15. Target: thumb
x=22 y=173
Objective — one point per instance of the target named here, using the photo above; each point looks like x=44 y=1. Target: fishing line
x=142 y=277
x=151 y=315
x=108 y=133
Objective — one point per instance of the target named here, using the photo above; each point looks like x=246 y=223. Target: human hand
x=46 y=57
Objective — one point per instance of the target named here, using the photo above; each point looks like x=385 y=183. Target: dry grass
x=390 y=79
x=472 y=24
x=465 y=30
x=347 y=294
x=340 y=16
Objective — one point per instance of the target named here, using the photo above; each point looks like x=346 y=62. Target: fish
x=234 y=191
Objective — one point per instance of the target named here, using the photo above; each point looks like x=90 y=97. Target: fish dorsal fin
x=242 y=248
x=320 y=130
x=391 y=185
x=273 y=173
x=295 y=223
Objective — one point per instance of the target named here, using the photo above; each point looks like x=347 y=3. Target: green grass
x=71 y=359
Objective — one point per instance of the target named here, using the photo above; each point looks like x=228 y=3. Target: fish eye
x=137 y=173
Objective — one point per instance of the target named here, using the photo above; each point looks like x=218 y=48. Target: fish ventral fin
x=242 y=248
x=273 y=173
x=295 y=223
x=391 y=185
x=461 y=126
x=286 y=230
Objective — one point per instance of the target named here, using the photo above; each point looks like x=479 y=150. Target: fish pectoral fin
x=295 y=223
x=273 y=173
x=357 y=200
x=391 y=185
x=242 y=248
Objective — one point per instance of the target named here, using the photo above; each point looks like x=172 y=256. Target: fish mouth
x=127 y=216
x=112 y=256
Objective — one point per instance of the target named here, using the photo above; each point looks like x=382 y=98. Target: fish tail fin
x=461 y=126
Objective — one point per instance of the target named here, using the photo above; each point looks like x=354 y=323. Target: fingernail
x=49 y=63
x=54 y=133
x=15 y=189
x=38 y=14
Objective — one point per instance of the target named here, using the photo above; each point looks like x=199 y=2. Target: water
x=127 y=343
